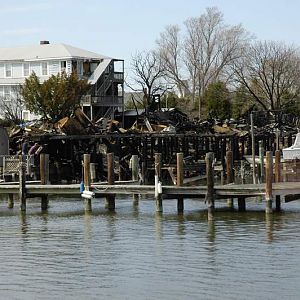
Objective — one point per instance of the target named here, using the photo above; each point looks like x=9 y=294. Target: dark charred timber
x=65 y=151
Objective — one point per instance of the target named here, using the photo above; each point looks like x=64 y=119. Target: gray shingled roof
x=47 y=51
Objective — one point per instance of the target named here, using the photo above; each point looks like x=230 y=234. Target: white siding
x=1 y=70
x=36 y=68
x=17 y=70
x=53 y=67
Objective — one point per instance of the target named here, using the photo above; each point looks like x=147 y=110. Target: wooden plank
x=249 y=190
x=193 y=179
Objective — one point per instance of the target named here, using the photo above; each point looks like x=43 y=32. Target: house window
x=79 y=68
x=63 y=66
x=1 y=92
x=8 y=70
x=26 y=69
x=44 y=68
x=7 y=93
x=74 y=66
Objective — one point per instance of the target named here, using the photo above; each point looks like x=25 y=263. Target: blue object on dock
x=81 y=186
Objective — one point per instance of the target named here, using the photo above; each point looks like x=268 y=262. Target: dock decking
x=229 y=190
x=269 y=191
x=220 y=191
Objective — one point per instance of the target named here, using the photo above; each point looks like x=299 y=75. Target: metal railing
x=118 y=75
x=290 y=170
x=107 y=100
x=10 y=164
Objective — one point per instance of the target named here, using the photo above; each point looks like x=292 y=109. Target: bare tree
x=203 y=54
x=211 y=46
x=171 y=54
x=11 y=107
x=270 y=71
x=147 y=75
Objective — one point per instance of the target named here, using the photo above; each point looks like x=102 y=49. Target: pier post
x=135 y=175
x=143 y=170
x=229 y=175
x=278 y=177
x=87 y=180
x=93 y=172
x=261 y=162
x=179 y=181
x=10 y=201
x=22 y=180
x=241 y=203
x=110 y=180
x=269 y=180
x=44 y=176
x=253 y=148
x=243 y=172
x=210 y=186
x=157 y=167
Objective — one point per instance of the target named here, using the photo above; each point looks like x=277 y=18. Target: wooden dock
x=210 y=192
x=220 y=191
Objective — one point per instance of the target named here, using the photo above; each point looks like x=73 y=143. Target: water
x=138 y=254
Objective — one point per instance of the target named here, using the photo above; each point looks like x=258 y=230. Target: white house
x=105 y=74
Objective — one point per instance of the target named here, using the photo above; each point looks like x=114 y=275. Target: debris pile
x=162 y=121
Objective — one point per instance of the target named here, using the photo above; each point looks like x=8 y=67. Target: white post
x=253 y=147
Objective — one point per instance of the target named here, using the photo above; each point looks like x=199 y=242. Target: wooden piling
x=243 y=179
x=261 y=162
x=277 y=177
x=93 y=172
x=22 y=180
x=210 y=186
x=179 y=181
x=135 y=175
x=269 y=181
x=143 y=172
x=44 y=176
x=229 y=174
x=241 y=203
x=87 y=180
x=110 y=180
x=157 y=167
x=10 y=201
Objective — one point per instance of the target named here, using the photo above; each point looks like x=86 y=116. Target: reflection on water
x=269 y=227
x=211 y=232
x=23 y=222
x=137 y=253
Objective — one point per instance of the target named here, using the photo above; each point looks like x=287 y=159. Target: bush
x=216 y=98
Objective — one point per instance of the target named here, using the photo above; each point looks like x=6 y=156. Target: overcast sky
x=119 y=28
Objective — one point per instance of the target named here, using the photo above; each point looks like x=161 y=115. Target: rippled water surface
x=135 y=253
